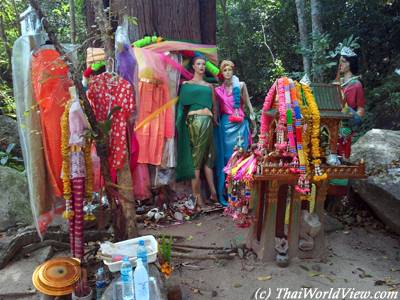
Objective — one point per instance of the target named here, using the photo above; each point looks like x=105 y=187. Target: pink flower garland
x=266 y=119
x=281 y=144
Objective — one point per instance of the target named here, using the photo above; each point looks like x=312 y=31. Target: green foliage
x=7 y=103
x=240 y=37
x=371 y=27
x=8 y=159
x=166 y=248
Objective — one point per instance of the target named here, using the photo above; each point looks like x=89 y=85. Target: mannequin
x=234 y=128
x=353 y=92
x=195 y=116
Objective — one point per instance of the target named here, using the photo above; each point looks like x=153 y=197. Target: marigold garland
x=65 y=151
x=89 y=216
x=315 y=131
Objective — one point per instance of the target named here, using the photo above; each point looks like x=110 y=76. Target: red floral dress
x=108 y=91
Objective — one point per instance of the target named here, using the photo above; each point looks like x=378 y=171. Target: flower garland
x=65 y=152
x=89 y=216
x=236 y=118
x=241 y=178
x=315 y=132
x=281 y=144
x=66 y=161
x=303 y=182
x=265 y=118
x=289 y=117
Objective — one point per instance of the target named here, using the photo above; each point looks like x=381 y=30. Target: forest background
x=263 y=38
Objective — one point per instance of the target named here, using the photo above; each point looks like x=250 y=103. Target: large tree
x=193 y=20
x=302 y=21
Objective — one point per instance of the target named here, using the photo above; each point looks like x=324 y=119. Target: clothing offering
x=201 y=140
x=193 y=97
x=50 y=85
x=111 y=93
x=78 y=124
x=230 y=134
x=151 y=135
x=354 y=96
x=153 y=93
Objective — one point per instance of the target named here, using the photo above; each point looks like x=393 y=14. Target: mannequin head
x=348 y=64
x=226 y=68
x=199 y=64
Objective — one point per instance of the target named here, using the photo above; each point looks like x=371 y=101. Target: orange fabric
x=151 y=136
x=50 y=86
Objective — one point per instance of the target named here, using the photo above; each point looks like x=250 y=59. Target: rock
x=9 y=134
x=378 y=147
x=332 y=224
x=14 y=198
x=381 y=191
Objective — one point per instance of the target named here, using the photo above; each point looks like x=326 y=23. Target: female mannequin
x=353 y=96
x=234 y=128
x=194 y=122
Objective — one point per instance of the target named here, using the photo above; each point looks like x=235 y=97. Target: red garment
x=354 y=94
x=107 y=91
x=50 y=85
x=344 y=146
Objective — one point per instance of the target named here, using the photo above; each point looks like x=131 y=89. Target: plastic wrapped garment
x=153 y=93
x=29 y=127
x=50 y=84
x=169 y=153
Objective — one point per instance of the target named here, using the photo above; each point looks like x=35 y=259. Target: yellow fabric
x=154 y=114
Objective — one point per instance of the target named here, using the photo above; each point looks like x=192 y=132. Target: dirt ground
x=362 y=259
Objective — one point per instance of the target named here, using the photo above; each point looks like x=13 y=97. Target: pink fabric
x=354 y=95
x=185 y=73
x=107 y=91
x=141 y=182
x=151 y=136
x=78 y=192
x=226 y=102
x=77 y=165
x=77 y=124
x=96 y=167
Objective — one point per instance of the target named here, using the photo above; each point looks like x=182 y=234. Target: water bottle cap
x=141 y=242
x=126 y=258
x=100 y=270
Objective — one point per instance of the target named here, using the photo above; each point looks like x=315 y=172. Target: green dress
x=195 y=132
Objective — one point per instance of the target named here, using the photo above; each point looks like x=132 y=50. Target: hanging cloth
x=50 y=84
x=106 y=93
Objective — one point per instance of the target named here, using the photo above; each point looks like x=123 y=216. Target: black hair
x=353 y=63
x=196 y=57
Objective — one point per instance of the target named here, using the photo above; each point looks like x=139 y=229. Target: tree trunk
x=193 y=20
x=301 y=20
x=316 y=26
x=226 y=27
x=73 y=22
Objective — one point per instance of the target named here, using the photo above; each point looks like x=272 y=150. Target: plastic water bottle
x=142 y=254
x=100 y=283
x=141 y=279
x=127 y=279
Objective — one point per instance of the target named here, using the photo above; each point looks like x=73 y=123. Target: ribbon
x=155 y=114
